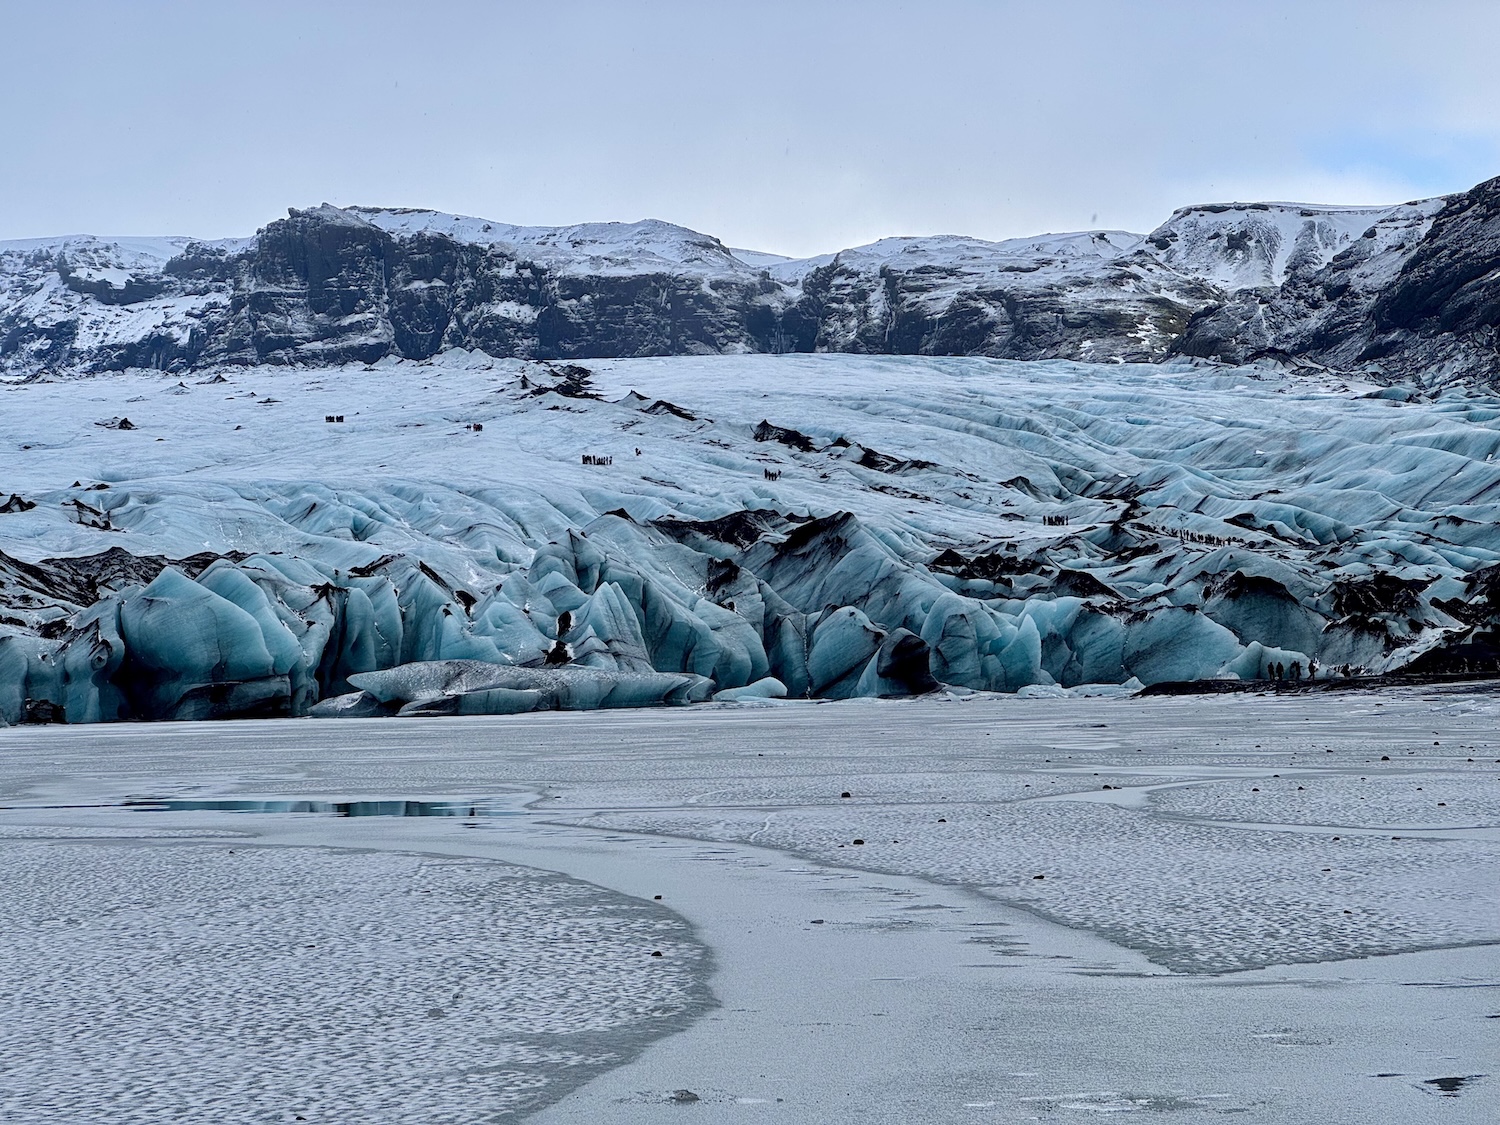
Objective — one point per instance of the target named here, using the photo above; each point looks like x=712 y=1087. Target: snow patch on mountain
x=1258 y=245
x=610 y=248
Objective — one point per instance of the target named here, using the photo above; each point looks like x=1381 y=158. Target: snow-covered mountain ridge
x=1408 y=290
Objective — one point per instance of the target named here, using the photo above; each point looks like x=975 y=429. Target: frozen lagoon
x=1276 y=909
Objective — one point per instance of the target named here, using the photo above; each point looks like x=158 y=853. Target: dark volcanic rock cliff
x=1097 y=295
x=328 y=286
x=1416 y=296
x=1446 y=299
x=1411 y=291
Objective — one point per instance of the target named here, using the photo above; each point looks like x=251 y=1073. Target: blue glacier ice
x=810 y=526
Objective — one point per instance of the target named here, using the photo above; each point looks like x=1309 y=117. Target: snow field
x=163 y=977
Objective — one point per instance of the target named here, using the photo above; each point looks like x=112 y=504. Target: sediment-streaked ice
x=847 y=526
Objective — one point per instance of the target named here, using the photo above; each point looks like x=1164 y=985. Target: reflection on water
x=451 y=808
x=1450 y=1087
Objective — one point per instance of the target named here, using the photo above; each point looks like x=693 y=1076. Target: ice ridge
x=479 y=535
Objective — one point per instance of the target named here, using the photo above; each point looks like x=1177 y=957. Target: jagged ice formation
x=482 y=535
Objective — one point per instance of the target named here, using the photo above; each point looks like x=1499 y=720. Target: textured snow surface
x=848 y=526
x=1171 y=833
x=1231 y=944
x=152 y=981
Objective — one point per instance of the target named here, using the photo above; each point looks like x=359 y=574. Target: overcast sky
x=794 y=127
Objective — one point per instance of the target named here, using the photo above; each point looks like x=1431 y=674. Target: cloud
x=798 y=127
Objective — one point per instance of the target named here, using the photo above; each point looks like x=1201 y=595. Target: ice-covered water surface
x=650 y=531
x=1216 y=862
x=159 y=975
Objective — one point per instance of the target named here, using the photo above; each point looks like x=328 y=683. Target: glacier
x=484 y=535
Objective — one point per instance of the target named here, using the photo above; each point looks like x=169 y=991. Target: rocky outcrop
x=1091 y=296
x=1445 y=302
x=1416 y=296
